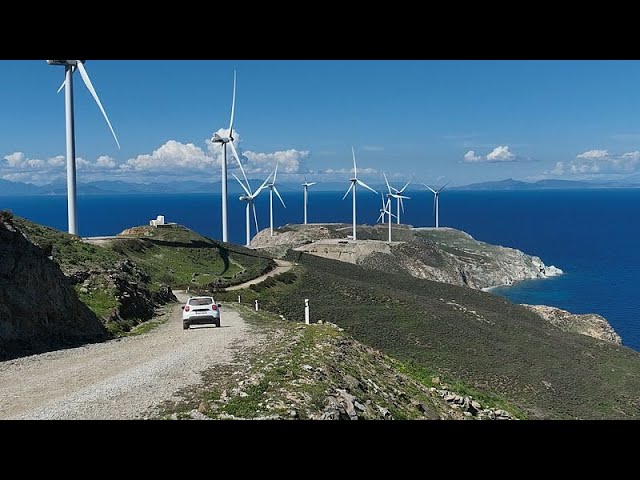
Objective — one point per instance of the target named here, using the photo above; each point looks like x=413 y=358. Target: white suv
x=200 y=310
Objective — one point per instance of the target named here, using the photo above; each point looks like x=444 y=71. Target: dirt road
x=118 y=379
x=283 y=266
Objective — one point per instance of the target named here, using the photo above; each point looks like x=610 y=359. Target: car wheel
x=185 y=326
x=218 y=323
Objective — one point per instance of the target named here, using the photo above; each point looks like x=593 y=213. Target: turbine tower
x=223 y=141
x=249 y=198
x=387 y=210
x=69 y=67
x=355 y=181
x=272 y=188
x=436 y=196
x=306 y=186
x=397 y=194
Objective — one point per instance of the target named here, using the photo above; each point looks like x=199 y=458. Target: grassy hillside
x=476 y=337
x=173 y=255
x=112 y=276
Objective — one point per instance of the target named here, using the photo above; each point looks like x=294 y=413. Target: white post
x=256 y=304
x=306 y=311
x=437 y=196
x=238 y=298
x=398 y=208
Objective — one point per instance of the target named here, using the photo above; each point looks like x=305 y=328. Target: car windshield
x=200 y=301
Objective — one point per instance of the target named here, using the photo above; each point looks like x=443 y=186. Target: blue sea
x=592 y=235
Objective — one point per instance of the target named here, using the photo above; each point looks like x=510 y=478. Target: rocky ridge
x=39 y=309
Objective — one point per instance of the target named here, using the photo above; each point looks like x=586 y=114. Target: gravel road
x=118 y=379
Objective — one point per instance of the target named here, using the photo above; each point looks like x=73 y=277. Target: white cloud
x=57 y=161
x=289 y=160
x=500 y=153
x=471 y=156
x=171 y=156
x=15 y=159
x=594 y=154
x=105 y=161
x=597 y=162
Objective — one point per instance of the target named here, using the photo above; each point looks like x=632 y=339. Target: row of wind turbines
x=249 y=197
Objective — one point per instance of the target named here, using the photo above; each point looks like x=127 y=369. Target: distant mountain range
x=8 y=188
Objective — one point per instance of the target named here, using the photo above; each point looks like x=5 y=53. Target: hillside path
x=122 y=378
x=283 y=266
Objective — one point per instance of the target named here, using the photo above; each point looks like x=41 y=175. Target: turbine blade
x=405 y=186
x=242 y=184
x=235 y=154
x=311 y=184
x=355 y=171
x=278 y=194
x=401 y=203
x=233 y=105
x=87 y=82
x=379 y=220
x=348 y=190
x=382 y=198
x=362 y=184
x=442 y=187
x=387 y=181
x=264 y=184
x=73 y=69
x=429 y=187
x=255 y=217
x=275 y=173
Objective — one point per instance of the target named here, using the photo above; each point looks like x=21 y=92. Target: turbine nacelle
x=73 y=63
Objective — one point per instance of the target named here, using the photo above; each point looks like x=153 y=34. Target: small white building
x=159 y=222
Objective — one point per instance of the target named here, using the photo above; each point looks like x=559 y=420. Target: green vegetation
x=466 y=335
x=101 y=302
x=180 y=257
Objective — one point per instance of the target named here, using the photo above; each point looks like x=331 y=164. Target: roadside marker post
x=306 y=311
x=256 y=304
x=238 y=298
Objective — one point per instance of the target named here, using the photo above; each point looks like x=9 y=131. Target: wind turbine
x=272 y=188
x=69 y=67
x=223 y=141
x=249 y=198
x=306 y=186
x=397 y=195
x=383 y=210
x=355 y=181
x=436 y=196
x=387 y=210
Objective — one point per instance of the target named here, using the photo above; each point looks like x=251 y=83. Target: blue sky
x=459 y=121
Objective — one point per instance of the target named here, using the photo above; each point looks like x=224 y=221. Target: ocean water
x=590 y=234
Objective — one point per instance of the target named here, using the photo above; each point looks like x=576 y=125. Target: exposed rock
x=39 y=309
x=443 y=254
x=589 y=324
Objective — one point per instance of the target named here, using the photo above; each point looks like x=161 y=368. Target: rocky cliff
x=589 y=324
x=443 y=254
x=39 y=309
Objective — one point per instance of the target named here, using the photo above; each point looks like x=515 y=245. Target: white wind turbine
x=306 y=186
x=387 y=210
x=383 y=210
x=249 y=198
x=436 y=196
x=223 y=141
x=272 y=188
x=355 y=181
x=69 y=67
x=397 y=194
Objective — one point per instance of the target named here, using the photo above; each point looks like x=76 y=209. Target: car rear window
x=200 y=301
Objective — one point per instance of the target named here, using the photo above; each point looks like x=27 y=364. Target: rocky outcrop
x=589 y=324
x=443 y=254
x=39 y=309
